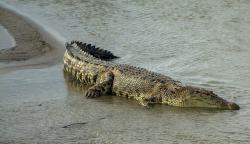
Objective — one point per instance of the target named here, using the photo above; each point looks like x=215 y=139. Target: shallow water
x=7 y=40
x=201 y=43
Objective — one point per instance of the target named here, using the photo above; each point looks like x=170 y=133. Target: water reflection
x=73 y=85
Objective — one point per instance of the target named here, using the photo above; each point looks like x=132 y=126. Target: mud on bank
x=30 y=50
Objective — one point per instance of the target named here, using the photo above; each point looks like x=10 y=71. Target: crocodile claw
x=92 y=93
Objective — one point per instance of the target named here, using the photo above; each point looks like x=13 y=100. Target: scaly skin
x=147 y=87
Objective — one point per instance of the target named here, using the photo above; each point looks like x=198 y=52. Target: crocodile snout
x=233 y=106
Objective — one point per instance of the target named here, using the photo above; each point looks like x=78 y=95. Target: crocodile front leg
x=102 y=86
x=147 y=101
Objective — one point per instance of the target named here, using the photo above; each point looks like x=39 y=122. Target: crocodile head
x=197 y=97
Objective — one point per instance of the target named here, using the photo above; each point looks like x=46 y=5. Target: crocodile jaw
x=202 y=104
x=233 y=106
x=197 y=97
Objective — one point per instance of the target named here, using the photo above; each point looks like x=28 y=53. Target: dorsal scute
x=92 y=50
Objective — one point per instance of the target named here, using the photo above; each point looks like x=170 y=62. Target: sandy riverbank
x=30 y=50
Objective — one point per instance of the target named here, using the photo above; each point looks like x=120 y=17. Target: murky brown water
x=202 y=43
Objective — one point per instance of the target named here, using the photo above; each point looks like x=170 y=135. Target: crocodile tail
x=92 y=50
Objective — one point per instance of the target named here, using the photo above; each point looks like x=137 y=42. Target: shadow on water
x=74 y=85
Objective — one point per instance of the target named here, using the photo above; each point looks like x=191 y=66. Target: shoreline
x=29 y=43
x=35 y=46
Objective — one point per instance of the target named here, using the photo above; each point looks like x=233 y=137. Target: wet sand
x=31 y=51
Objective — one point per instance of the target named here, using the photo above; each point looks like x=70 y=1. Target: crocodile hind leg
x=102 y=86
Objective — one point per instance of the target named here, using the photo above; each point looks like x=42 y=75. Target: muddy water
x=201 y=43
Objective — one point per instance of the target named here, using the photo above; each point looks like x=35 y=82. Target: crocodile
x=93 y=67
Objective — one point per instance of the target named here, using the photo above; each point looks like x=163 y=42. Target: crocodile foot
x=92 y=93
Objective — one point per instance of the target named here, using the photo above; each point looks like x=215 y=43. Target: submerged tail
x=92 y=50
